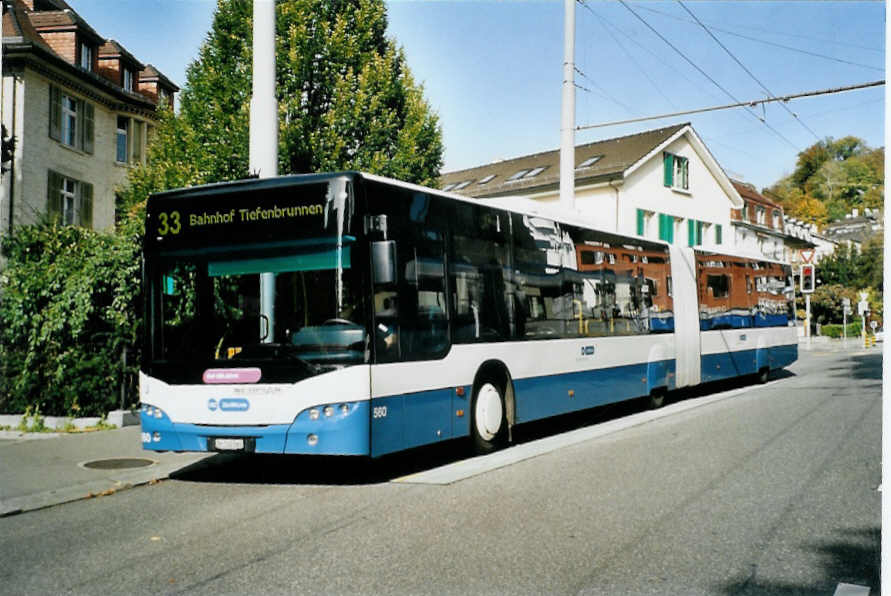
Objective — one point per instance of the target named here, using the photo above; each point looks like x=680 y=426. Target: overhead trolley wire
x=627 y=53
x=600 y=90
x=706 y=75
x=774 y=44
x=743 y=66
x=740 y=104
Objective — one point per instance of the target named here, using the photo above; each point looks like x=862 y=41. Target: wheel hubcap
x=488 y=412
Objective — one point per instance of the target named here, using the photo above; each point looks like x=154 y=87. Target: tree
x=831 y=178
x=347 y=100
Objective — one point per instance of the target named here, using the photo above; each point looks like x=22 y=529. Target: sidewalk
x=824 y=344
x=44 y=469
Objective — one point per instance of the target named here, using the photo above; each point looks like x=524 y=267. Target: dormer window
x=85 y=57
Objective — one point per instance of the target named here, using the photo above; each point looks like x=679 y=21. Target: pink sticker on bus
x=231 y=375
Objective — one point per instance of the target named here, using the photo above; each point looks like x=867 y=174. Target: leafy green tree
x=347 y=100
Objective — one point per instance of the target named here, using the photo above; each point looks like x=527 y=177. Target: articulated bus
x=351 y=314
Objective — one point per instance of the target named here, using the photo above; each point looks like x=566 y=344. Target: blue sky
x=492 y=70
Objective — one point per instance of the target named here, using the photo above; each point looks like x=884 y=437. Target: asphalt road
x=770 y=491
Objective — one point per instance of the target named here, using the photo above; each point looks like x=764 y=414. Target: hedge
x=70 y=304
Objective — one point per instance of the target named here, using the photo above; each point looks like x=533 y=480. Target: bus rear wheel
x=763 y=375
x=488 y=422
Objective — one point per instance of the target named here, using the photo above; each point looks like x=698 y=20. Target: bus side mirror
x=383 y=261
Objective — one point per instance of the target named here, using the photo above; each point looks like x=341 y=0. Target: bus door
x=688 y=368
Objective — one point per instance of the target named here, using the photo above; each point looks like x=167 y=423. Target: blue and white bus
x=356 y=315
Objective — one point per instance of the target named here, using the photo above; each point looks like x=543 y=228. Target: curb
x=115 y=418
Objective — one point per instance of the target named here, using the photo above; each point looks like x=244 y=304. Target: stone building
x=81 y=109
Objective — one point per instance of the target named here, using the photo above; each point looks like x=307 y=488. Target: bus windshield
x=209 y=312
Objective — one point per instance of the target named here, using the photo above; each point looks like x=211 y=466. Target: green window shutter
x=54 y=196
x=137 y=142
x=87 y=128
x=668 y=162
x=55 y=113
x=640 y=222
x=86 y=205
x=718 y=232
x=666 y=228
x=691 y=232
x=699 y=226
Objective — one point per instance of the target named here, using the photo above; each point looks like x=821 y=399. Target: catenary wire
x=706 y=75
x=749 y=72
x=739 y=104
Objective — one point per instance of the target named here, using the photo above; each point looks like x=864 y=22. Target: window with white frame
x=676 y=171
x=777 y=222
x=69 y=201
x=128 y=79
x=761 y=215
x=122 y=152
x=71 y=120
x=86 y=56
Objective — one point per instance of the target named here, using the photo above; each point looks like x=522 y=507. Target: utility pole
x=567 y=126
x=263 y=149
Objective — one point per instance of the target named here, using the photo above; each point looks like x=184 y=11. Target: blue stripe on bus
x=410 y=420
x=541 y=397
x=724 y=365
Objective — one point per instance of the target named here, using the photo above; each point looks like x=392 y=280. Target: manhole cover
x=118 y=463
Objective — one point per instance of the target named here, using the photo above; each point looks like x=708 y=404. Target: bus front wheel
x=488 y=424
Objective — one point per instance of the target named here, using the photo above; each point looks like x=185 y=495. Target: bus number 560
x=379 y=412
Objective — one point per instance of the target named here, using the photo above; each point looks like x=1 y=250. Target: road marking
x=468 y=468
x=851 y=590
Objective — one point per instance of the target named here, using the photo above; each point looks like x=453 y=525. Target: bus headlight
x=314 y=414
x=344 y=409
x=329 y=411
x=312 y=440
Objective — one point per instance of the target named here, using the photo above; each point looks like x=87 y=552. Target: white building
x=658 y=184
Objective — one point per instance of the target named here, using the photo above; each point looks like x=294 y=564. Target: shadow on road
x=345 y=470
x=851 y=557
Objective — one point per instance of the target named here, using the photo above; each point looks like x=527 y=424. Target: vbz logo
x=587 y=350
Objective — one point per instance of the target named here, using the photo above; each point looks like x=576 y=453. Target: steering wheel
x=338 y=322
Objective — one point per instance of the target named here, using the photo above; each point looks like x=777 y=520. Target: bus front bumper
x=333 y=429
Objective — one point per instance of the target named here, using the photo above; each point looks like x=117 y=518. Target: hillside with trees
x=831 y=178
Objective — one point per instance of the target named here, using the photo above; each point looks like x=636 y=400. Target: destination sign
x=247 y=214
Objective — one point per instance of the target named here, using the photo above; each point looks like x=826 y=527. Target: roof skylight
x=535 y=172
x=461 y=185
x=589 y=162
x=487 y=179
x=518 y=175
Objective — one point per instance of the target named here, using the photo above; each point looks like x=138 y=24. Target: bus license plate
x=229 y=444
